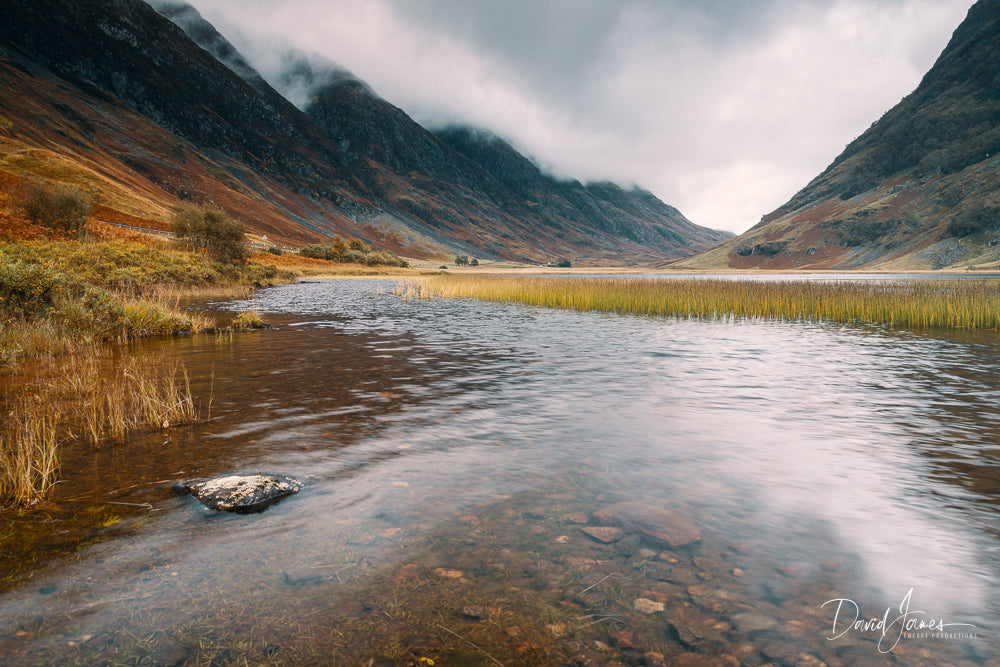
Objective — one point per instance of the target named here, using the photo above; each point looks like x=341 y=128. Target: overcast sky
x=722 y=108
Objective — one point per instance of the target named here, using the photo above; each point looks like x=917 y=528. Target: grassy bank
x=61 y=296
x=969 y=304
x=63 y=306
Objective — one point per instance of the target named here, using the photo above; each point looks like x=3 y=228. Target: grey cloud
x=723 y=108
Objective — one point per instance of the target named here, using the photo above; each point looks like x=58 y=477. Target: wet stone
x=308 y=576
x=700 y=660
x=647 y=606
x=684 y=634
x=657 y=523
x=167 y=653
x=782 y=653
x=473 y=612
x=604 y=533
x=244 y=494
x=751 y=622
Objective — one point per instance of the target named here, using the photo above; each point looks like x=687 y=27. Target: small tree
x=473 y=262
x=209 y=228
x=461 y=260
x=338 y=247
x=61 y=208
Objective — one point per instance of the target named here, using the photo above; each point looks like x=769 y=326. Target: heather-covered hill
x=150 y=113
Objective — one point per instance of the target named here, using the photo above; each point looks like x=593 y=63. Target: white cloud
x=723 y=108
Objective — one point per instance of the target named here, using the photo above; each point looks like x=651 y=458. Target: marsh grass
x=247 y=319
x=967 y=304
x=29 y=460
x=97 y=399
x=131 y=396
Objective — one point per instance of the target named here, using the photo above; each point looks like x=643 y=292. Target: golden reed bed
x=968 y=304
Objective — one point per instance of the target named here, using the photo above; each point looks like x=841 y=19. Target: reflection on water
x=453 y=449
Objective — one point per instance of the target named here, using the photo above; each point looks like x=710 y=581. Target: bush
x=57 y=207
x=974 y=220
x=209 y=228
x=315 y=251
x=461 y=260
x=27 y=290
x=275 y=250
x=352 y=256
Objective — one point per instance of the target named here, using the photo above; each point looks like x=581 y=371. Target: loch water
x=452 y=450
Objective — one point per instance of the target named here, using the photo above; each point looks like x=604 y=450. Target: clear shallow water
x=442 y=437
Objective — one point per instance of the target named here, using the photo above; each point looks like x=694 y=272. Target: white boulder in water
x=248 y=493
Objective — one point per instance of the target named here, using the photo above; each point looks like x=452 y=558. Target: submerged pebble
x=660 y=524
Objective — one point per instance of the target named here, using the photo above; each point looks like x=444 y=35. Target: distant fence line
x=169 y=233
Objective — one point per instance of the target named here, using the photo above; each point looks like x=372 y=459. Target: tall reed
x=136 y=394
x=971 y=304
x=91 y=398
x=29 y=460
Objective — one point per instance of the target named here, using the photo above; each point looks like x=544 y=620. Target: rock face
x=660 y=524
x=244 y=494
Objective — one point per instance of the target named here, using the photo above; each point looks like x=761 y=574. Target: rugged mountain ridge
x=129 y=103
x=920 y=189
x=457 y=175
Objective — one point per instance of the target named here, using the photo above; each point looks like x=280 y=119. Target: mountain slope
x=150 y=113
x=450 y=181
x=919 y=189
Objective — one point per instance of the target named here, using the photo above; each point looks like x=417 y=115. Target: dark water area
x=452 y=451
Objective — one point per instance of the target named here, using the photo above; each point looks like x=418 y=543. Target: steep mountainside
x=460 y=176
x=919 y=189
x=114 y=96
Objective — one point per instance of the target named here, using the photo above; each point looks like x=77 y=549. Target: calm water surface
x=451 y=451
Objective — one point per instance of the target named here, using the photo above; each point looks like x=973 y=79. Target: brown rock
x=701 y=660
x=647 y=606
x=653 y=659
x=448 y=573
x=808 y=660
x=660 y=524
x=406 y=573
x=604 y=534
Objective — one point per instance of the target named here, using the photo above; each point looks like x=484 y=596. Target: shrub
x=315 y=251
x=974 y=220
x=473 y=262
x=461 y=260
x=27 y=290
x=57 y=207
x=352 y=256
x=275 y=250
x=209 y=228
x=338 y=247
